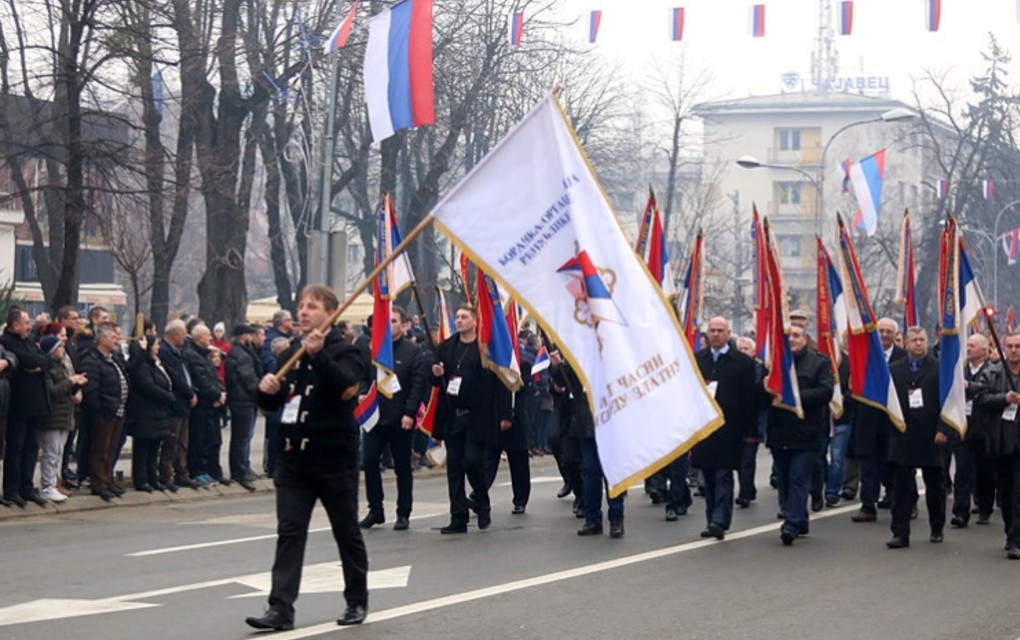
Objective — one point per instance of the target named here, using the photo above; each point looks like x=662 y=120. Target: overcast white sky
x=889 y=38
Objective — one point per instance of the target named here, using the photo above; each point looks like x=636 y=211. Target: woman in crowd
x=149 y=407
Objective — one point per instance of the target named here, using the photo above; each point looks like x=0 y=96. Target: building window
x=788 y=192
x=788 y=139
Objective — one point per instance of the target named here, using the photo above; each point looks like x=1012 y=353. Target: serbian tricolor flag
x=905 y=276
x=594 y=21
x=367 y=411
x=676 y=24
x=541 y=363
x=587 y=284
x=495 y=342
x=942 y=189
x=1011 y=245
x=1010 y=320
x=692 y=294
x=846 y=17
x=444 y=327
x=972 y=300
x=867 y=178
x=870 y=382
x=338 y=39
x=952 y=397
x=781 y=380
x=830 y=304
x=933 y=14
x=387 y=284
x=398 y=69
x=758 y=21
x=515 y=25
x=762 y=307
x=988 y=189
x=651 y=245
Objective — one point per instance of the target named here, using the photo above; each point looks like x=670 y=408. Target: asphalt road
x=197 y=569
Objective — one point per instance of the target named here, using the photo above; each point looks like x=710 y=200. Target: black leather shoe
x=273 y=619
x=353 y=614
x=172 y=488
x=145 y=486
x=787 y=537
x=616 y=529
x=847 y=494
x=831 y=502
x=18 y=500
x=117 y=491
x=984 y=518
x=743 y=503
x=5 y=502
x=159 y=486
x=245 y=483
x=454 y=528
x=191 y=484
x=817 y=504
x=958 y=522
x=1013 y=553
x=564 y=491
x=590 y=529
x=913 y=512
x=484 y=519
x=898 y=543
x=37 y=497
x=107 y=496
x=401 y=524
x=226 y=482
x=372 y=519
x=864 y=516
x=936 y=537
x=884 y=503
x=518 y=510
x=716 y=531
x=672 y=515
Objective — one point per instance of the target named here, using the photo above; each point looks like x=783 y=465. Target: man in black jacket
x=319 y=460
x=395 y=428
x=730 y=377
x=795 y=442
x=978 y=423
x=29 y=405
x=966 y=449
x=173 y=456
x=104 y=406
x=473 y=409
x=203 y=427
x=243 y=372
x=916 y=379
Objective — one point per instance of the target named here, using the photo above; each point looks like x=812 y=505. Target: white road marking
x=326 y=577
x=539 y=480
x=549 y=578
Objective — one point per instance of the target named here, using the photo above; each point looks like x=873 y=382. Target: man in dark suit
x=730 y=377
x=871 y=433
x=965 y=450
x=916 y=379
x=474 y=407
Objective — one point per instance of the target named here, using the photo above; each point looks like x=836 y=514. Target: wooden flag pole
x=358 y=290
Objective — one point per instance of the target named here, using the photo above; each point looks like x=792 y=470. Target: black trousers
x=205 y=441
x=905 y=495
x=300 y=480
x=145 y=461
x=520 y=473
x=568 y=461
x=465 y=458
x=399 y=442
x=21 y=452
x=83 y=450
x=748 y=467
x=963 y=479
x=1009 y=489
x=984 y=480
x=242 y=422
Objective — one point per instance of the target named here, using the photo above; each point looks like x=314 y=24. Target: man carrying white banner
x=533 y=214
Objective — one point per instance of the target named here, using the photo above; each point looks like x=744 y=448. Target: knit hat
x=49 y=344
x=219 y=326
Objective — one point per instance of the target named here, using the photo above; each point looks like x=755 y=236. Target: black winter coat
x=1002 y=437
x=152 y=400
x=734 y=374
x=409 y=365
x=243 y=372
x=487 y=397
x=977 y=420
x=916 y=446
x=786 y=430
x=28 y=382
x=102 y=392
x=5 y=379
x=205 y=380
x=173 y=362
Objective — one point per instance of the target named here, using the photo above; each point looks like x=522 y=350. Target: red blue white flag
x=955 y=313
x=385 y=288
x=988 y=189
x=594 y=21
x=338 y=39
x=444 y=327
x=651 y=245
x=1010 y=320
x=942 y=189
x=692 y=294
x=867 y=177
x=870 y=382
x=398 y=69
x=781 y=380
x=541 y=363
x=515 y=25
x=762 y=303
x=830 y=304
x=676 y=24
x=758 y=21
x=367 y=411
x=1011 y=245
x=933 y=14
x=846 y=17
x=495 y=342
x=905 y=275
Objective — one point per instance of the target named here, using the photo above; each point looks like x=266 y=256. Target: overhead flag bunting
x=338 y=39
x=951 y=302
x=830 y=302
x=693 y=294
x=933 y=14
x=515 y=25
x=398 y=69
x=870 y=382
x=846 y=17
x=577 y=272
x=867 y=177
x=988 y=189
x=758 y=21
x=676 y=24
x=594 y=21
x=905 y=275
x=781 y=380
x=1011 y=245
x=942 y=189
x=651 y=245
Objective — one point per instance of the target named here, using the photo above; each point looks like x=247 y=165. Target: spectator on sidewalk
x=173 y=455
x=152 y=401
x=63 y=387
x=244 y=370
x=105 y=407
x=203 y=427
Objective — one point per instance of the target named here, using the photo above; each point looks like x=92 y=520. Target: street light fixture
x=750 y=162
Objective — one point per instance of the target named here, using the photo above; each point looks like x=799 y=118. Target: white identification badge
x=916 y=399
x=453 y=388
x=970 y=408
x=291 y=410
x=1009 y=414
x=712 y=385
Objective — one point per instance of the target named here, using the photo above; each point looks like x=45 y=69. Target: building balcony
x=803 y=157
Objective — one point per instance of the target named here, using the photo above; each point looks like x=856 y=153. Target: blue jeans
x=543 y=422
x=793 y=474
x=591 y=470
x=838 y=442
x=719 y=497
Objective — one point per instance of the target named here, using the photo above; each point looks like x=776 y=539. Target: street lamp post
x=750 y=162
x=995 y=253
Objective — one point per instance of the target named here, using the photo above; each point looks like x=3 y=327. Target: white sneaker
x=53 y=495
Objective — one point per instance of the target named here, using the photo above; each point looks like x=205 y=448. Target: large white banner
x=533 y=215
